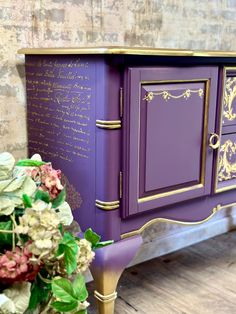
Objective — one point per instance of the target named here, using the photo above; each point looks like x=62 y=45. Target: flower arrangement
x=41 y=262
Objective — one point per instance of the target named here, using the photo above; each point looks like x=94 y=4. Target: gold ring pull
x=214 y=141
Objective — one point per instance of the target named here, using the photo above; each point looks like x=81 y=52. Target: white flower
x=15 y=299
x=85 y=255
x=64 y=214
x=6 y=305
x=7 y=162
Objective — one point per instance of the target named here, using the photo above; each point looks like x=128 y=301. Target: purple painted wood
x=163 y=126
x=65 y=97
x=108 y=149
x=61 y=114
x=172 y=125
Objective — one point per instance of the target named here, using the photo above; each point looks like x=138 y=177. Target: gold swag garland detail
x=167 y=95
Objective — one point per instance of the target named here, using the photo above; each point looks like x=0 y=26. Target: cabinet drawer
x=170 y=113
x=229 y=97
x=226 y=178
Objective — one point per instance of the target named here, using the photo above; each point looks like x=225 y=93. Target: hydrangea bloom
x=85 y=255
x=16 y=266
x=48 y=178
x=42 y=227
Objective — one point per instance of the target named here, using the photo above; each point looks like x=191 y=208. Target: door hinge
x=121 y=184
x=121 y=102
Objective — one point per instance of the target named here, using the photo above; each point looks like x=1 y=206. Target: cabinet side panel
x=61 y=124
x=108 y=154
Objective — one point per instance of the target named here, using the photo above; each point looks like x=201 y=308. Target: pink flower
x=16 y=266
x=49 y=179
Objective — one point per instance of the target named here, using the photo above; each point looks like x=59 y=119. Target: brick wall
x=194 y=24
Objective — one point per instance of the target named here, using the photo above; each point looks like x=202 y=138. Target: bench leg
x=107 y=267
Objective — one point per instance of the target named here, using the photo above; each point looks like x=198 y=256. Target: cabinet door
x=170 y=113
x=225 y=177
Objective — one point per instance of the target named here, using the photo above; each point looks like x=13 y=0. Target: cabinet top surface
x=127 y=51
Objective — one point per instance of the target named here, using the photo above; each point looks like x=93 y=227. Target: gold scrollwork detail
x=178 y=222
x=227 y=169
x=229 y=96
x=167 y=95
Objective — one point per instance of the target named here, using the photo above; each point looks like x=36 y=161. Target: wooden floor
x=200 y=279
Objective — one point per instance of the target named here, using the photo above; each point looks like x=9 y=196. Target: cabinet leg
x=107 y=267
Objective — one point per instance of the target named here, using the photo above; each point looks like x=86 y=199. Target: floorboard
x=200 y=279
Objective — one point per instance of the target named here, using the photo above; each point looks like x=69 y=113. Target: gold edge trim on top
x=127 y=51
x=108 y=50
x=186 y=223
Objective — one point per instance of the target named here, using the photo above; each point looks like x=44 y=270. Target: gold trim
x=106 y=50
x=213 y=53
x=167 y=95
x=214 y=137
x=108 y=124
x=160 y=195
x=229 y=96
x=227 y=170
x=166 y=220
x=233 y=186
x=126 y=51
x=204 y=143
x=121 y=102
x=121 y=184
x=107 y=205
x=105 y=298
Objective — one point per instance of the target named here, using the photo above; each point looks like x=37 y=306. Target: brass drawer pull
x=214 y=141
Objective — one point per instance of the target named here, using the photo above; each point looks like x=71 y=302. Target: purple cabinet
x=171 y=114
x=139 y=134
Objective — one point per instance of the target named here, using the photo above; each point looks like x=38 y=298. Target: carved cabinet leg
x=107 y=268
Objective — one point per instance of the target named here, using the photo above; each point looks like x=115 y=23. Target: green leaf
x=64 y=306
x=102 y=244
x=62 y=289
x=80 y=288
x=27 y=201
x=70 y=258
x=82 y=312
x=39 y=293
x=43 y=196
x=92 y=236
x=69 y=247
x=59 y=199
x=5 y=238
x=30 y=163
x=60 y=227
x=67 y=237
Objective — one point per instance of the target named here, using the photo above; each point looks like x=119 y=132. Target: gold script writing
x=59 y=95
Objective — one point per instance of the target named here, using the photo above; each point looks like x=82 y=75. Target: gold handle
x=214 y=141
